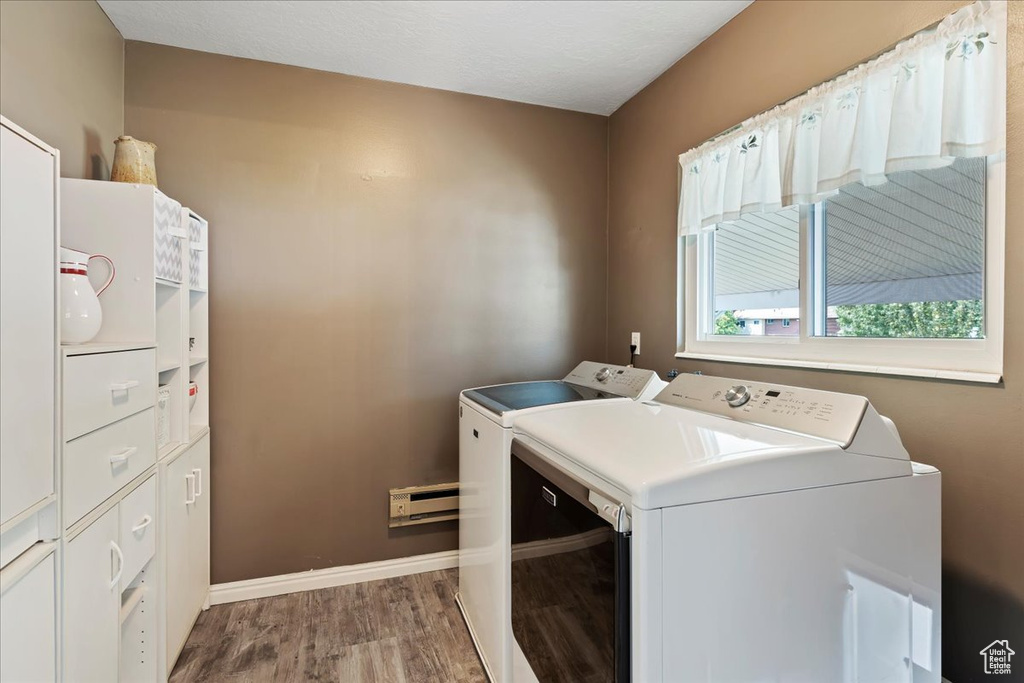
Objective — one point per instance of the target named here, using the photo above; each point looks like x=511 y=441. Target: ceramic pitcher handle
x=113 y=272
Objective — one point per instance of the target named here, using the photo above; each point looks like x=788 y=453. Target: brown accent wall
x=973 y=433
x=375 y=248
x=62 y=78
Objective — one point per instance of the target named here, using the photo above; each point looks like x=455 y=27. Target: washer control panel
x=614 y=379
x=822 y=414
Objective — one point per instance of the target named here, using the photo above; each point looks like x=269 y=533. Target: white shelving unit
x=157 y=301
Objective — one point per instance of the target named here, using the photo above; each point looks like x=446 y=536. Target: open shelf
x=139 y=627
x=199 y=414
x=176 y=382
x=196 y=360
x=170 y=284
x=167 y=366
x=169 y=327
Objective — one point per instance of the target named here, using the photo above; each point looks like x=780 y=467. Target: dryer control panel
x=823 y=414
x=613 y=379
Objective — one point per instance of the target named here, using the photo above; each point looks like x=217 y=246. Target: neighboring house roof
x=918 y=237
x=775 y=313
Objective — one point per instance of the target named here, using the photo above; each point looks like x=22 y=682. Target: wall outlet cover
x=635 y=341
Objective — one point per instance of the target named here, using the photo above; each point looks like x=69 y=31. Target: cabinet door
x=178 y=511
x=28 y=625
x=199 y=531
x=27 y=335
x=92 y=602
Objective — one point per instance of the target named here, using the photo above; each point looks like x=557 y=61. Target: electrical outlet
x=635 y=341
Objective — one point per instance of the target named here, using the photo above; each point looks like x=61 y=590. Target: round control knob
x=737 y=396
x=603 y=374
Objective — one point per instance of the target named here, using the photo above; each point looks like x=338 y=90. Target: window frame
x=975 y=360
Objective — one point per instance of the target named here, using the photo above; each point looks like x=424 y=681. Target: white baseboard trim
x=282 y=584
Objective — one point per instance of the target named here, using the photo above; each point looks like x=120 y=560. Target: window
x=903 y=277
x=867 y=212
x=756 y=270
x=905 y=258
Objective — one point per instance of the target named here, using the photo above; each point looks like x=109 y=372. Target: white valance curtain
x=938 y=95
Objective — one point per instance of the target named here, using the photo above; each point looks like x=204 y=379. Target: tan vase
x=134 y=161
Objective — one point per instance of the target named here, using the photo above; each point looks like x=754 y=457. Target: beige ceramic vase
x=134 y=161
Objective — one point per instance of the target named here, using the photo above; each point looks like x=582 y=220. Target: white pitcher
x=80 y=315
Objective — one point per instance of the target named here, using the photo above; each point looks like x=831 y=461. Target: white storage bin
x=169 y=232
x=197 y=257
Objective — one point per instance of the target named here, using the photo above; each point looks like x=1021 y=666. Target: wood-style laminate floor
x=403 y=630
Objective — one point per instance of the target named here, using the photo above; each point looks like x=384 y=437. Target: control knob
x=737 y=396
x=603 y=374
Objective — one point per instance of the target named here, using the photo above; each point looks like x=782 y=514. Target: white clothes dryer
x=486 y=418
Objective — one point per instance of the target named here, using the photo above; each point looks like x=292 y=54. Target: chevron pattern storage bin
x=167 y=245
x=197 y=236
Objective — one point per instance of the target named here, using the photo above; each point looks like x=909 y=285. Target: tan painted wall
x=62 y=77
x=974 y=434
x=375 y=248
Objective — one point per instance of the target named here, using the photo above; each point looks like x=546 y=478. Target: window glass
x=756 y=274
x=905 y=258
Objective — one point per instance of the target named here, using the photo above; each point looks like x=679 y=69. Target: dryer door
x=570 y=576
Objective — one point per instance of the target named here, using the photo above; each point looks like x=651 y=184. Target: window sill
x=951 y=375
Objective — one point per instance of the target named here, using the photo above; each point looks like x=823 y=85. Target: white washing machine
x=729 y=532
x=486 y=418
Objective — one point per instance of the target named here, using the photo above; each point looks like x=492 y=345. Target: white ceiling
x=588 y=56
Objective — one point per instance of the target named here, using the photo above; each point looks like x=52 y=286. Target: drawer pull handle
x=123 y=455
x=190 y=489
x=199 y=481
x=143 y=523
x=124 y=386
x=120 y=563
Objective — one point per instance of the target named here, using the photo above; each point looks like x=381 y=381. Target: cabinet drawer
x=102 y=388
x=138 y=529
x=98 y=464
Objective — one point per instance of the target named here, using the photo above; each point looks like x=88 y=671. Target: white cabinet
x=28 y=335
x=154 y=338
x=186 y=514
x=92 y=601
x=110 y=594
x=28 y=611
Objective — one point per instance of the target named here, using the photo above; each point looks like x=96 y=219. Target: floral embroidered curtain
x=940 y=94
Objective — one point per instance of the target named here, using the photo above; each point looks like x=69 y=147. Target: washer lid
x=502 y=398
x=661 y=456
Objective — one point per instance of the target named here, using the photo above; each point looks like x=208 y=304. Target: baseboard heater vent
x=423 y=504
